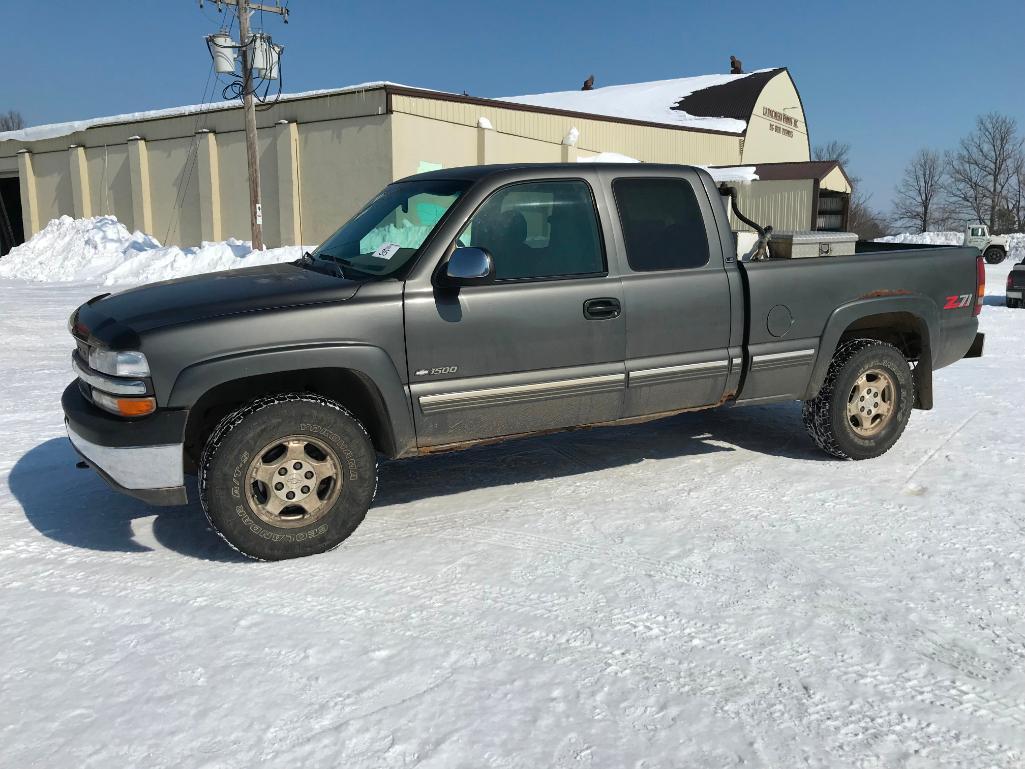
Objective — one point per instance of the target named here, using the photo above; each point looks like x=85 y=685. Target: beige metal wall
x=648 y=143
x=784 y=205
x=343 y=163
x=342 y=156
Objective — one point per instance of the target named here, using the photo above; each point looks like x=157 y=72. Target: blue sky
x=889 y=77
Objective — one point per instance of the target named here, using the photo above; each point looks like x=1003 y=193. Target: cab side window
x=662 y=224
x=539 y=230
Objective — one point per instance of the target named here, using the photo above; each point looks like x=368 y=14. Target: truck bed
x=797 y=308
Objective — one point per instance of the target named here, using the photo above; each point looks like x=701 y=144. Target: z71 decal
x=958 y=302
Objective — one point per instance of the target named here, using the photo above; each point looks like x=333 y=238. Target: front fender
x=373 y=363
x=923 y=309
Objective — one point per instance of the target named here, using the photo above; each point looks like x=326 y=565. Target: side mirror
x=470 y=267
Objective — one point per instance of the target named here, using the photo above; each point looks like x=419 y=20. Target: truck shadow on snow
x=75 y=507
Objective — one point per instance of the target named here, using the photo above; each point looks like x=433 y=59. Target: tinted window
x=662 y=224
x=538 y=230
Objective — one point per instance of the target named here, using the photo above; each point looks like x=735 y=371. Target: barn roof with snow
x=180 y=173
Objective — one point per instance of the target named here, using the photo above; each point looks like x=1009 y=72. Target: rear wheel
x=865 y=402
x=287 y=476
x=994 y=255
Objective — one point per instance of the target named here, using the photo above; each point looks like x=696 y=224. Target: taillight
x=980 y=271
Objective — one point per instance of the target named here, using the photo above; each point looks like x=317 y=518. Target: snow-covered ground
x=704 y=591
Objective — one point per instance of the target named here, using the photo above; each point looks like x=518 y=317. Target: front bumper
x=142 y=458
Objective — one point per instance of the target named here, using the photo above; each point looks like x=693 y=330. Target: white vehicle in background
x=993 y=247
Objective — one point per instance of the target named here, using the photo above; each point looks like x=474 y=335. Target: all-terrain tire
x=826 y=415
x=306 y=422
x=994 y=255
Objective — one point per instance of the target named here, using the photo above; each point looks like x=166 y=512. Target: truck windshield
x=385 y=235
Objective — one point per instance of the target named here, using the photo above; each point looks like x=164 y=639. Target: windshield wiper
x=343 y=269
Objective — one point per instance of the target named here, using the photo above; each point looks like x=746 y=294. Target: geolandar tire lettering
x=287 y=476
x=865 y=402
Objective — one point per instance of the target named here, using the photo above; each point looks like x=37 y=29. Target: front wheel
x=287 y=476
x=865 y=402
x=994 y=255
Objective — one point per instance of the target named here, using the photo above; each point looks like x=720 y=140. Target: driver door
x=541 y=348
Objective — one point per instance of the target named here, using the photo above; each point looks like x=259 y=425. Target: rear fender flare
x=372 y=363
x=922 y=308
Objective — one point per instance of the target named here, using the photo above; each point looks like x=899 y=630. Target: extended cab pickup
x=476 y=304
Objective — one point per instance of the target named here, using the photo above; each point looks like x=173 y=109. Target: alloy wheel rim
x=871 y=406
x=293 y=481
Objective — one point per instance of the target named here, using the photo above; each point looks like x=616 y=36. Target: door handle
x=604 y=308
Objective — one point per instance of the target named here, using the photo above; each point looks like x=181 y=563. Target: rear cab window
x=662 y=224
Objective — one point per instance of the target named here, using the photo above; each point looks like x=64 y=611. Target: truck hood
x=116 y=320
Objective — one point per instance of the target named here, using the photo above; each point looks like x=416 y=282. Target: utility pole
x=245 y=7
x=252 y=151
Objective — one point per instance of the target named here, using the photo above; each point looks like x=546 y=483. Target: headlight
x=118 y=363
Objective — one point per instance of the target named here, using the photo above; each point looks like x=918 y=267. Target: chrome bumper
x=154 y=474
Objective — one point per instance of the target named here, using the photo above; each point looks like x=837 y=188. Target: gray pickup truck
x=478 y=304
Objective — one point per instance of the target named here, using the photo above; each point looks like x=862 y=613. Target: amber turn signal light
x=126 y=407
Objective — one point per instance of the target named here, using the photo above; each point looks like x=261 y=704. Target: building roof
x=807 y=169
x=708 y=102
x=713 y=103
x=55 y=130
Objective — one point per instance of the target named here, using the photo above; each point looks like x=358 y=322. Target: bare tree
x=919 y=193
x=11 y=121
x=1016 y=195
x=862 y=218
x=981 y=169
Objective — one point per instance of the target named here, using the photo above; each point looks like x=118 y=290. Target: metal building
x=180 y=174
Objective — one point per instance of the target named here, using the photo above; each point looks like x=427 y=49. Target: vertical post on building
x=29 y=198
x=249 y=108
x=287 y=141
x=209 y=185
x=486 y=150
x=79 y=182
x=142 y=204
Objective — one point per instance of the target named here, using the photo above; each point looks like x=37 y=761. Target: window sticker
x=387 y=250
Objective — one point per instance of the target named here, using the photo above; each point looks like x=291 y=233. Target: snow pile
x=75 y=250
x=732 y=173
x=1015 y=241
x=608 y=157
x=652 y=102
x=926 y=238
x=721 y=174
x=101 y=249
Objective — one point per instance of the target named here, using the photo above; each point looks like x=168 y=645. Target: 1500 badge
x=439 y=371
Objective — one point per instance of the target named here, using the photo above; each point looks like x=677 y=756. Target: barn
x=180 y=173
